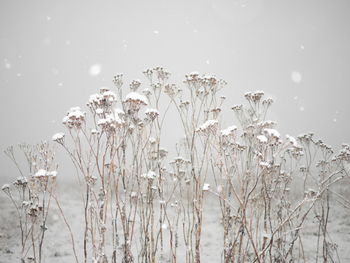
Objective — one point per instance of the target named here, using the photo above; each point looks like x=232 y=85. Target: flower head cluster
x=134 y=101
x=159 y=73
x=180 y=161
x=261 y=139
x=273 y=136
x=152 y=114
x=172 y=90
x=58 y=137
x=103 y=101
x=110 y=123
x=74 y=118
x=292 y=141
x=254 y=96
x=230 y=131
x=135 y=84
x=118 y=80
x=150 y=175
x=344 y=154
x=209 y=127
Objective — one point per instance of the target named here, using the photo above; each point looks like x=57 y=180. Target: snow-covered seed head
x=150 y=175
x=152 y=113
x=110 y=123
x=40 y=173
x=210 y=126
x=261 y=139
x=74 y=118
x=230 y=131
x=292 y=141
x=109 y=97
x=21 y=181
x=104 y=89
x=58 y=137
x=135 y=101
x=272 y=133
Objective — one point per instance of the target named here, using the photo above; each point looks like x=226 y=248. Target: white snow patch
x=272 y=133
x=206 y=187
x=136 y=97
x=229 y=131
x=262 y=138
x=58 y=136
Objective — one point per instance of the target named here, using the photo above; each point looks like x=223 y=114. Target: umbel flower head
x=58 y=137
x=104 y=100
x=134 y=101
x=74 y=118
x=210 y=126
x=152 y=113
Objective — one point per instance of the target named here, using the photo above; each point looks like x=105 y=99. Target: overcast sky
x=54 y=54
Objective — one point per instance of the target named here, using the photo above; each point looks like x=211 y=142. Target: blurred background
x=54 y=54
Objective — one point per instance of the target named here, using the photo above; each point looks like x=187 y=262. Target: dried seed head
x=209 y=127
x=135 y=84
x=118 y=80
x=58 y=137
x=152 y=113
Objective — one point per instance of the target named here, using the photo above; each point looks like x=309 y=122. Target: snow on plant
x=124 y=168
x=31 y=194
x=142 y=205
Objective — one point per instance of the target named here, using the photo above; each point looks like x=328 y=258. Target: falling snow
x=95 y=69
x=7 y=64
x=301 y=108
x=296 y=76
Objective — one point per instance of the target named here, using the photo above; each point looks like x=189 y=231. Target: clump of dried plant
x=142 y=205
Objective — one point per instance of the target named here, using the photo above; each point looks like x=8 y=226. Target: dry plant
x=31 y=195
x=141 y=205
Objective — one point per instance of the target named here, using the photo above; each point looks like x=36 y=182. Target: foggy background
x=54 y=54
